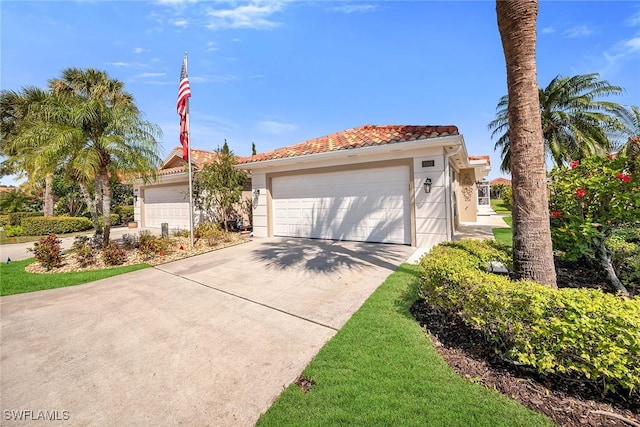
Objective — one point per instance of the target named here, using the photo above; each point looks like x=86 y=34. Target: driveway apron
x=209 y=340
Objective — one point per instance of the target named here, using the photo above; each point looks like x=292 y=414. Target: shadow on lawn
x=327 y=256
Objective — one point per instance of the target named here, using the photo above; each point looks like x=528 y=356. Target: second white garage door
x=167 y=204
x=369 y=205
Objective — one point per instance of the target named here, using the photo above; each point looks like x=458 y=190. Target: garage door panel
x=364 y=205
x=166 y=204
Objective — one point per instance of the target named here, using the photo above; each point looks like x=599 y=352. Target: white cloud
x=176 y=2
x=578 y=31
x=634 y=20
x=256 y=14
x=274 y=128
x=147 y=75
x=138 y=50
x=619 y=53
x=180 y=22
x=355 y=8
x=213 y=78
x=119 y=64
x=547 y=30
x=212 y=47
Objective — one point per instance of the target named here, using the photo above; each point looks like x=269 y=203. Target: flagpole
x=189 y=161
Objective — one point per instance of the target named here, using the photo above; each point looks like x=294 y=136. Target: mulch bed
x=566 y=402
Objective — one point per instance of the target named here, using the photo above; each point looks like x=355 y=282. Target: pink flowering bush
x=588 y=201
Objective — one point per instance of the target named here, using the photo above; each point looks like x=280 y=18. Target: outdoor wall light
x=427 y=185
x=135 y=198
x=256 y=192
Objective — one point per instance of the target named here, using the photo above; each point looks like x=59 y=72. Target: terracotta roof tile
x=500 y=181
x=363 y=136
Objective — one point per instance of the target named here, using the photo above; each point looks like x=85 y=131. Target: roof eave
x=439 y=141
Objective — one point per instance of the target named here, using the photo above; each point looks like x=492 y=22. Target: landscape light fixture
x=427 y=185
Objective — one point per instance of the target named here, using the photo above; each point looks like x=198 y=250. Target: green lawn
x=382 y=370
x=504 y=235
x=16 y=281
x=498 y=206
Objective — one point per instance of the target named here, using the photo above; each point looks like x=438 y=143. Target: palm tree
x=576 y=122
x=114 y=138
x=92 y=129
x=16 y=114
x=532 y=249
x=631 y=147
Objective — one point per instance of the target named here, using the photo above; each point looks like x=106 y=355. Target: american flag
x=184 y=90
x=184 y=93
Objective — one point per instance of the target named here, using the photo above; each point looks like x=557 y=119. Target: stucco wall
x=467 y=195
x=429 y=209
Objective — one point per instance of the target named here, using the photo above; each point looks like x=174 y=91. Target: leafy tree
x=576 y=122
x=631 y=147
x=532 y=249
x=94 y=131
x=217 y=188
x=16 y=201
x=16 y=114
x=590 y=200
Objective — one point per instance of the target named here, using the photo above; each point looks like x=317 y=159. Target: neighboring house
x=497 y=185
x=393 y=184
x=166 y=200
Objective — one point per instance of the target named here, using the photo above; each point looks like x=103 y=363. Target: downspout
x=448 y=190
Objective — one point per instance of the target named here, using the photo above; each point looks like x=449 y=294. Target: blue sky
x=280 y=72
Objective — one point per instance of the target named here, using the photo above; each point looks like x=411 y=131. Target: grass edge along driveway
x=14 y=280
x=382 y=369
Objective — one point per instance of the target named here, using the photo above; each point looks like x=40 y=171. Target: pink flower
x=623 y=177
x=556 y=214
x=580 y=192
x=574 y=164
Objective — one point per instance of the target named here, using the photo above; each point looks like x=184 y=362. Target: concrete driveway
x=210 y=340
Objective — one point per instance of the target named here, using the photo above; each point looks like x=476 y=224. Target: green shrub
x=115 y=219
x=15 y=218
x=582 y=333
x=125 y=213
x=48 y=252
x=112 y=254
x=39 y=226
x=507 y=197
x=624 y=244
x=83 y=250
x=13 y=231
x=150 y=245
x=5 y=220
x=210 y=232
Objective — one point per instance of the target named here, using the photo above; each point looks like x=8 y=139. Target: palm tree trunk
x=48 y=195
x=106 y=206
x=91 y=205
x=532 y=249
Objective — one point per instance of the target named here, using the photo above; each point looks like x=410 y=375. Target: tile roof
x=363 y=136
x=500 y=181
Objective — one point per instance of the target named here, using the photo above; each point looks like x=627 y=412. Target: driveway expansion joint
x=249 y=300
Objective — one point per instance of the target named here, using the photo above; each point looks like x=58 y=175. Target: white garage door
x=370 y=205
x=167 y=204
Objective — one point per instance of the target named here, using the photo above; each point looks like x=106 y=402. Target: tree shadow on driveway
x=328 y=256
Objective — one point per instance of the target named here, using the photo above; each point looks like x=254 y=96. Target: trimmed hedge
x=115 y=219
x=15 y=218
x=582 y=333
x=41 y=226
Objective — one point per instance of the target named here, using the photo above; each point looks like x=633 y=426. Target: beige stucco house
x=398 y=184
